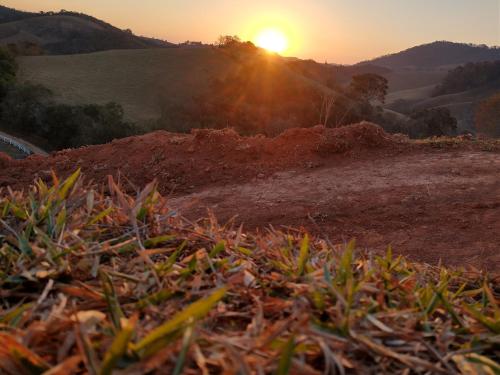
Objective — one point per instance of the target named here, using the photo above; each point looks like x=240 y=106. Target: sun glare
x=273 y=40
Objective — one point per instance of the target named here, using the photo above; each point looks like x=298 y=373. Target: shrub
x=29 y=110
x=488 y=117
x=369 y=87
x=433 y=122
x=23 y=108
x=469 y=76
x=8 y=68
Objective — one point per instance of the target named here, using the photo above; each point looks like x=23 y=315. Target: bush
x=29 y=109
x=23 y=108
x=488 y=117
x=369 y=86
x=8 y=68
x=469 y=76
x=433 y=122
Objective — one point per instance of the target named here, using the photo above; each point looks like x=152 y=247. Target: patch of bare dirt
x=433 y=207
x=433 y=201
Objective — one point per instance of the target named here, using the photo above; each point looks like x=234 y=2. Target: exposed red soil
x=433 y=204
x=5 y=160
x=182 y=163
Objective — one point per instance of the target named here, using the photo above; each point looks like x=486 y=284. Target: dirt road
x=430 y=206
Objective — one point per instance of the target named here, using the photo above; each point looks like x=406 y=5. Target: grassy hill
x=437 y=54
x=460 y=91
x=442 y=74
x=151 y=83
x=67 y=33
x=11 y=15
x=143 y=80
x=140 y=80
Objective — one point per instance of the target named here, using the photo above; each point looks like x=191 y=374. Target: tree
x=487 y=117
x=434 y=122
x=228 y=41
x=8 y=69
x=369 y=87
x=23 y=108
x=468 y=77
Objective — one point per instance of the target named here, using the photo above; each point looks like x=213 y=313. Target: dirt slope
x=432 y=201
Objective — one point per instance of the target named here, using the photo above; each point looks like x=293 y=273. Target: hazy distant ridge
x=437 y=54
x=67 y=33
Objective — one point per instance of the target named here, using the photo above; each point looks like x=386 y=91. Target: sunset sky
x=341 y=31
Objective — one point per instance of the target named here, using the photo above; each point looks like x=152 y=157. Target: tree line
x=469 y=76
x=30 y=111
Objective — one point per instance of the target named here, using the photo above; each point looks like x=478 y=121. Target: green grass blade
x=193 y=312
x=119 y=346
x=68 y=184
x=285 y=362
x=303 y=256
x=114 y=307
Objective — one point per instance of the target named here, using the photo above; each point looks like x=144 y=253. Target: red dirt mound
x=5 y=160
x=185 y=161
x=339 y=140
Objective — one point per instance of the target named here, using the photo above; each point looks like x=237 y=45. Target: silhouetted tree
x=469 y=76
x=228 y=41
x=23 y=108
x=369 y=87
x=488 y=117
x=8 y=68
x=435 y=122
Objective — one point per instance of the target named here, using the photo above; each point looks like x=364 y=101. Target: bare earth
x=431 y=207
x=433 y=202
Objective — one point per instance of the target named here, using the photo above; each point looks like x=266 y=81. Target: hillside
x=11 y=15
x=140 y=80
x=460 y=90
x=435 y=55
x=184 y=88
x=66 y=33
x=145 y=82
x=442 y=74
x=331 y=73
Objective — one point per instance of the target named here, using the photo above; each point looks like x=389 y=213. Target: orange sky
x=341 y=31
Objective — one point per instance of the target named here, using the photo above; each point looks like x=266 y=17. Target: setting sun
x=273 y=40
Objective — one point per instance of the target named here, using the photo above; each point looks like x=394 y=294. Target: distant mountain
x=11 y=15
x=437 y=54
x=67 y=33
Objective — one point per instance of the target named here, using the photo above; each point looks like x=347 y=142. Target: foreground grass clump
x=100 y=283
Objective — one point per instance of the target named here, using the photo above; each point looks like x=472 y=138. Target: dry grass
x=462 y=142
x=95 y=283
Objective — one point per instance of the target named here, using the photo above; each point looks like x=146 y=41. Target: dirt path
x=431 y=206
